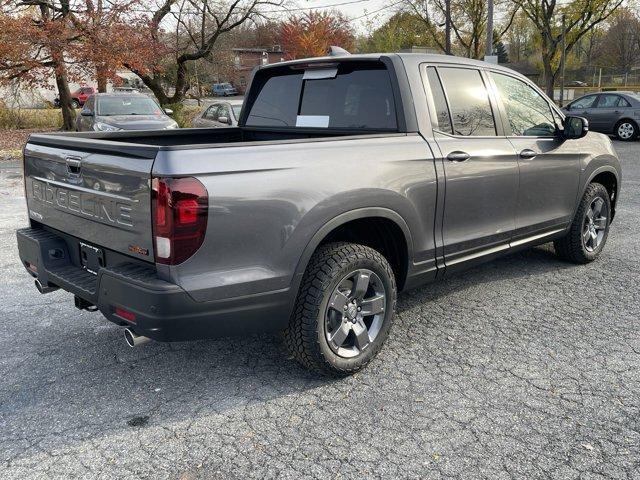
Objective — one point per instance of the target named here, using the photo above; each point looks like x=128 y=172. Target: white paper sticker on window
x=317 y=121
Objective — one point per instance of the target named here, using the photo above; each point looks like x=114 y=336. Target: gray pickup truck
x=348 y=178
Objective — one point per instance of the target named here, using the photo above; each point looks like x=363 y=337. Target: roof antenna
x=337 y=51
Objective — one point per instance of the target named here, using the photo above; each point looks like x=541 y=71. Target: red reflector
x=187 y=211
x=126 y=314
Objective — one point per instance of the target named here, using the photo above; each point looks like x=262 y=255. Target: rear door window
x=358 y=95
x=469 y=104
x=608 y=100
x=442 y=121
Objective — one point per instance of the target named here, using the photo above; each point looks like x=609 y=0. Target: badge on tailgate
x=92 y=258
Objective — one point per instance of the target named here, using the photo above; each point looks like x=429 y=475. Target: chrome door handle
x=527 y=154
x=458 y=156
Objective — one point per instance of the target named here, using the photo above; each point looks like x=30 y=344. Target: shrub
x=184 y=114
x=32 y=118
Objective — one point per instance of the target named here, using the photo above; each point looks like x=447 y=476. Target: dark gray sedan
x=110 y=112
x=616 y=113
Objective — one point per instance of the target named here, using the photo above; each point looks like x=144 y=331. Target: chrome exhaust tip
x=133 y=339
x=44 y=289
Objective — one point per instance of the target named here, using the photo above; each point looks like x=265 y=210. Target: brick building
x=246 y=59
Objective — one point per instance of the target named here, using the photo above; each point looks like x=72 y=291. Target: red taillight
x=180 y=208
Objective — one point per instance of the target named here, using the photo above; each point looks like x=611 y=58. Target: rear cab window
x=346 y=95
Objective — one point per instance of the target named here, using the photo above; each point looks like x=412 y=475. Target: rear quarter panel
x=267 y=201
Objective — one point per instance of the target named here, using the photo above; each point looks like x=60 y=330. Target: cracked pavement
x=526 y=367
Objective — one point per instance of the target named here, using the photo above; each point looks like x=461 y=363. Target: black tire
x=572 y=247
x=75 y=104
x=626 y=130
x=306 y=336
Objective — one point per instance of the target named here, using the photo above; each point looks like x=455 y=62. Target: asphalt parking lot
x=526 y=367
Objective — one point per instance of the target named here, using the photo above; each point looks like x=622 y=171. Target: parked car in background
x=110 y=112
x=220 y=114
x=577 y=83
x=78 y=98
x=616 y=113
x=223 y=90
x=126 y=90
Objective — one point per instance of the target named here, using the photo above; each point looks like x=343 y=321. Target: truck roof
x=407 y=57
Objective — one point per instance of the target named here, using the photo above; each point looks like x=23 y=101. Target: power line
x=378 y=10
x=295 y=9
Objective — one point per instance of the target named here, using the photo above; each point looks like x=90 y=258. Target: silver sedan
x=219 y=114
x=616 y=113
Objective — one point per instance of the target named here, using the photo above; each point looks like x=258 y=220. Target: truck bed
x=146 y=143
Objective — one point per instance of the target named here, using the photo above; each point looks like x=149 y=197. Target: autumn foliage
x=312 y=33
x=70 y=41
x=43 y=36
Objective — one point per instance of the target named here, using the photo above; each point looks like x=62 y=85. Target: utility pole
x=447 y=27
x=489 y=46
x=563 y=60
x=600 y=80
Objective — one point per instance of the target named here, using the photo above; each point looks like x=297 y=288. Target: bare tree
x=468 y=21
x=581 y=17
x=620 y=46
x=198 y=25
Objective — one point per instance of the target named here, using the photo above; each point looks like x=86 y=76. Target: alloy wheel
x=595 y=224
x=626 y=131
x=355 y=313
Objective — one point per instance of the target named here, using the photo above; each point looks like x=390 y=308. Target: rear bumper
x=163 y=311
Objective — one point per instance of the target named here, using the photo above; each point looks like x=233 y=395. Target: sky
x=360 y=10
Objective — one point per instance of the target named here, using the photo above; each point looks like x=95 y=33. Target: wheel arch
x=609 y=178
x=336 y=229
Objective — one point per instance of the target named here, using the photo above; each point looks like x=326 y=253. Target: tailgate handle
x=73 y=166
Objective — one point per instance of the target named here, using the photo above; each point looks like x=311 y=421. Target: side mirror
x=575 y=127
x=85 y=112
x=168 y=111
x=224 y=120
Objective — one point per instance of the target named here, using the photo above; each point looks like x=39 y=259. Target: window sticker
x=318 y=121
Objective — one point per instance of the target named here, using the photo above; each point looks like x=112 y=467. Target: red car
x=78 y=97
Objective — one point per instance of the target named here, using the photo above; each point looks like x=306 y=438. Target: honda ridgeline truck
x=348 y=179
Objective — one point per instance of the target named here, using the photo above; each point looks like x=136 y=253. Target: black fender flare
x=594 y=174
x=343 y=218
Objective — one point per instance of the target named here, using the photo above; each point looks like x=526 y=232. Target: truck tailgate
x=103 y=198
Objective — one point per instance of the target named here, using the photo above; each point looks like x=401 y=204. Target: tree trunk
x=181 y=83
x=154 y=84
x=68 y=113
x=549 y=77
x=101 y=78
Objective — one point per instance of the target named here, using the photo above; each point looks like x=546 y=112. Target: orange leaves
x=36 y=41
x=312 y=33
